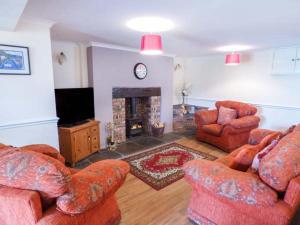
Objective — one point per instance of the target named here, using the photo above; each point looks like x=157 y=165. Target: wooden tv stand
x=79 y=141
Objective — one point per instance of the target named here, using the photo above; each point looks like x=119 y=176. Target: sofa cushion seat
x=33 y=171
x=283 y=163
x=238 y=187
x=213 y=129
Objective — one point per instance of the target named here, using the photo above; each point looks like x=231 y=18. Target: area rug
x=162 y=166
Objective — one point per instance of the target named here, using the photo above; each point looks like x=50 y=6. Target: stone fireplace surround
x=148 y=104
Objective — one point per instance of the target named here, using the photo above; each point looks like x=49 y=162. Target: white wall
x=27 y=112
x=277 y=97
x=73 y=72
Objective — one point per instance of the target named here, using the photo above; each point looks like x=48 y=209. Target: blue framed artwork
x=14 y=60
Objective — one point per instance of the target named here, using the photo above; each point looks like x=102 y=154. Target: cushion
x=214 y=129
x=45 y=149
x=258 y=157
x=92 y=185
x=283 y=163
x=238 y=187
x=33 y=171
x=226 y=115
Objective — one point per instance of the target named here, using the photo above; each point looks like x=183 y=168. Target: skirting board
x=272 y=116
x=39 y=131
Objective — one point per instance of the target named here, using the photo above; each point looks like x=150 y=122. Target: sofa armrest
x=19 y=207
x=292 y=194
x=92 y=185
x=243 y=160
x=204 y=117
x=257 y=135
x=244 y=122
x=225 y=183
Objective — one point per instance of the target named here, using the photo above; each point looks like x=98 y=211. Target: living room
x=138 y=112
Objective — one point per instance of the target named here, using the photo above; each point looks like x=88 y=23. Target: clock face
x=140 y=71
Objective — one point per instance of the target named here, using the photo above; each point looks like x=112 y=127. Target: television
x=74 y=105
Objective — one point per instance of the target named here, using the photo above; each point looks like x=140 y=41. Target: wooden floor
x=142 y=205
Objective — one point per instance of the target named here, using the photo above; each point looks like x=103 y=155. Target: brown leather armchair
x=229 y=136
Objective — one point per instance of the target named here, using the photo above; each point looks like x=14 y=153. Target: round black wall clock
x=140 y=71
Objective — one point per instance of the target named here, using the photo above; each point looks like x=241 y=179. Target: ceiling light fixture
x=151 y=44
x=150 y=24
x=232 y=59
x=233 y=48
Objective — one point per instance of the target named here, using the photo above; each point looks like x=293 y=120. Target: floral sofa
x=231 y=135
x=37 y=188
x=224 y=195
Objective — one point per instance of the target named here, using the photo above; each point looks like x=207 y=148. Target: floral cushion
x=233 y=185
x=226 y=115
x=92 y=186
x=259 y=156
x=44 y=149
x=283 y=163
x=33 y=171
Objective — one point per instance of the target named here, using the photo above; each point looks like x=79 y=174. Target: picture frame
x=14 y=60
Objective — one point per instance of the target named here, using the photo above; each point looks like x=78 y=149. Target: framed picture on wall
x=14 y=60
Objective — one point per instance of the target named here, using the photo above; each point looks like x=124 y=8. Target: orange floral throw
x=162 y=166
x=92 y=185
x=33 y=171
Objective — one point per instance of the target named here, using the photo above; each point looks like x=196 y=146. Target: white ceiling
x=10 y=12
x=201 y=26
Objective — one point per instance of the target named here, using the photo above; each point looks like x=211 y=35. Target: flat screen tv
x=74 y=105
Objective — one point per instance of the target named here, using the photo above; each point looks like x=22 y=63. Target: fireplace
x=134 y=110
x=134 y=122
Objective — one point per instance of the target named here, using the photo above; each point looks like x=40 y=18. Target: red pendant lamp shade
x=232 y=59
x=151 y=44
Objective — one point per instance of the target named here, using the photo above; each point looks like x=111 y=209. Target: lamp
x=151 y=44
x=232 y=59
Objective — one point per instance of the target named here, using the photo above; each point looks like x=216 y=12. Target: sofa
x=224 y=195
x=227 y=136
x=87 y=197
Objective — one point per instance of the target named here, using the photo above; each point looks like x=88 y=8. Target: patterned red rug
x=162 y=166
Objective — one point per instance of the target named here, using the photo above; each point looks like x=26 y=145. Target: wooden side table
x=79 y=141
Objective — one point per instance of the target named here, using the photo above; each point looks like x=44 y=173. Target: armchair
x=90 y=198
x=231 y=135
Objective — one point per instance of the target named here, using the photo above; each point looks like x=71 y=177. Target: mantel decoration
x=185 y=91
x=14 y=60
x=109 y=129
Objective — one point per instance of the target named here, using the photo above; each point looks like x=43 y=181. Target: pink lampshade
x=232 y=59
x=151 y=44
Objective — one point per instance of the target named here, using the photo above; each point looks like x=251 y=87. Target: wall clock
x=140 y=71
